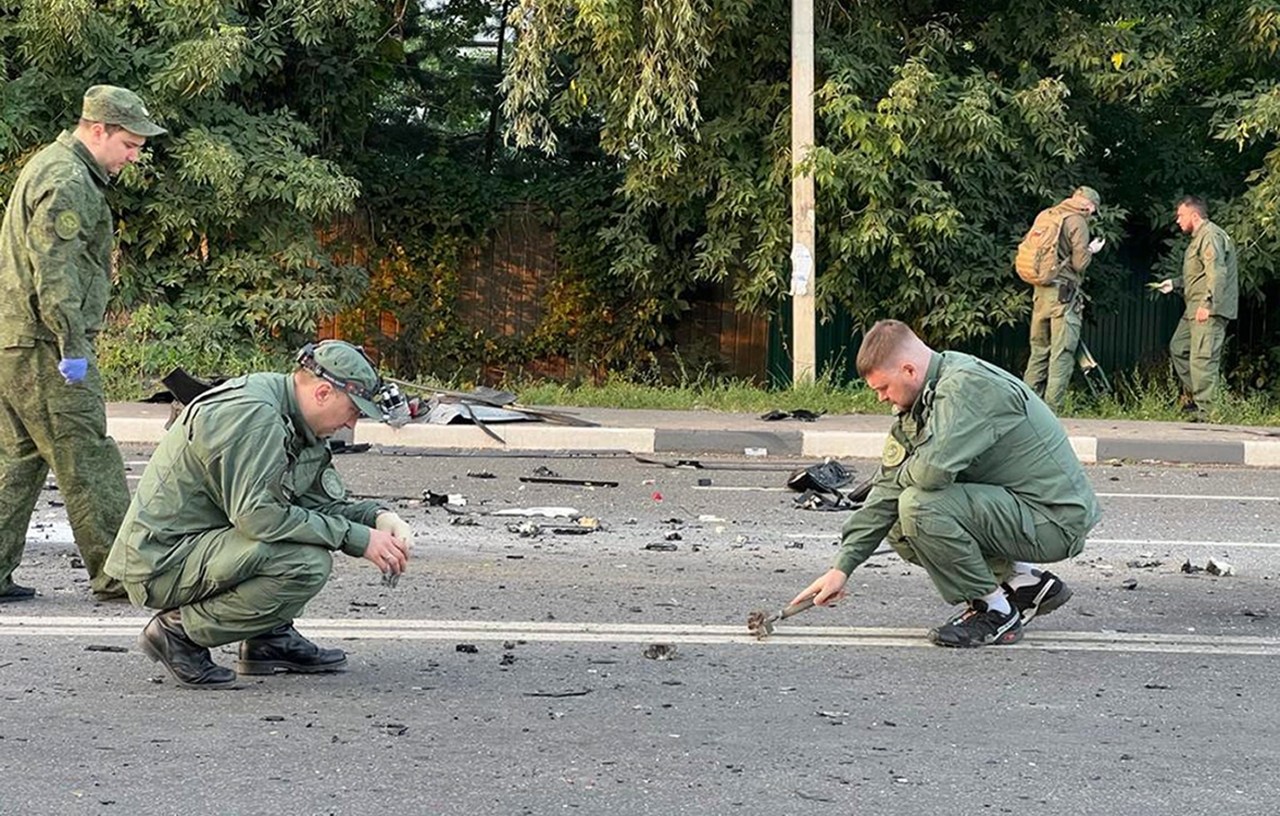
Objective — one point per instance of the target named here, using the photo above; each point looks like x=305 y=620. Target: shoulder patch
x=67 y=224
x=332 y=484
x=893 y=454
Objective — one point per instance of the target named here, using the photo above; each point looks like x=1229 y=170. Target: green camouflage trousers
x=46 y=423
x=1196 y=351
x=1055 y=334
x=966 y=536
x=231 y=587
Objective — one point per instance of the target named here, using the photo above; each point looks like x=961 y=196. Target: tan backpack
x=1037 y=259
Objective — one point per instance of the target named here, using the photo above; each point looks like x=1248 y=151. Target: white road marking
x=1186 y=497
x=596 y=632
x=1127 y=542
x=1160 y=542
x=1174 y=496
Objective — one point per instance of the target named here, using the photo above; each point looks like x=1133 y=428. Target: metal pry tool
x=760 y=623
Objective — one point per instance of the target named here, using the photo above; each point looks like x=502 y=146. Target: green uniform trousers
x=966 y=536
x=1055 y=334
x=231 y=587
x=44 y=422
x=1196 y=351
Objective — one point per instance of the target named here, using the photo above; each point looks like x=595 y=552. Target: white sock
x=998 y=602
x=1024 y=574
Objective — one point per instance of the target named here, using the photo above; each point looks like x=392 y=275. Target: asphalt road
x=1151 y=692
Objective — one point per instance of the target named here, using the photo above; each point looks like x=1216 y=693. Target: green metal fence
x=1131 y=332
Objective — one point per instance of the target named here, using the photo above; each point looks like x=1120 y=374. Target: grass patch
x=1154 y=397
x=134 y=357
x=704 y=395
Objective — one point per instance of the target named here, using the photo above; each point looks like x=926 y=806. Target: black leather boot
x=166 y=642
x=284 y=650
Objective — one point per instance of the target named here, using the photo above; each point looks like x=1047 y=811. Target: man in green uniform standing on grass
x=1210 y=288
x=55 y=280
x=232 y=528
x=977 y=484
x=1056 y=307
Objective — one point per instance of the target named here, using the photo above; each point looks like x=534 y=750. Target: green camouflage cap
x=118 y=106
x=349 y=369
x=1089 y=193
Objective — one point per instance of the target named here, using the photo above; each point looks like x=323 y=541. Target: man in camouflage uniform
x=1056 y=308
x=977 y=484
x=1210 y=288
x=55 y=280
x=232 y=528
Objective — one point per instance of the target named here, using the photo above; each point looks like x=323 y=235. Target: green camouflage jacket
x=55 y=251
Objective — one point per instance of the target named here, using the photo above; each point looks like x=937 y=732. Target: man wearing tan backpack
x=1052 y=258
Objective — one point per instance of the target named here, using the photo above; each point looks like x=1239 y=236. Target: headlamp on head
x=384 y=398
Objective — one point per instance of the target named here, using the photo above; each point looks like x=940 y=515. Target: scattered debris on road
x=556 y=480
x=539 y=512
x=800 y=413
x=433 y=499
x=1212 y=566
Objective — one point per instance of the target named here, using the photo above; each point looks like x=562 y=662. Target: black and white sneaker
x=1039 y=598
x=979 y=626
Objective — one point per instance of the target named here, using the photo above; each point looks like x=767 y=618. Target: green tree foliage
x=217 y=226
x=942 y=129
x=437 y=179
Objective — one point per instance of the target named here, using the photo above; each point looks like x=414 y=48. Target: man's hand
x=1165 y=286
x=1202 y=314
x=1096 y=245
x=827 y=589
x=398 y=527
x=387 y=552
x=73 y=369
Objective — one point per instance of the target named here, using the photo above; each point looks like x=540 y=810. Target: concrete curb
x=148 y=429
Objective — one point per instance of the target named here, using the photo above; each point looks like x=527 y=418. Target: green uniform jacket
x=1073 y=242
x=975 y=423
x=239 y=456
x=1209 y=274
x=55 y=251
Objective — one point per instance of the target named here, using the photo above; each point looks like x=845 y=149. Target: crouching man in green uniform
x=234 y=522
x=977 y=484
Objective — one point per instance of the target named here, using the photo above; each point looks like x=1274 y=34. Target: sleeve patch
x=332 y=484
x=893 y=454
x=67 y=225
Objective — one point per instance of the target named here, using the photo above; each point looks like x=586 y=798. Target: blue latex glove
x=73 y=369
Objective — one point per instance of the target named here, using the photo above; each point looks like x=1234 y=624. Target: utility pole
x=804 y=344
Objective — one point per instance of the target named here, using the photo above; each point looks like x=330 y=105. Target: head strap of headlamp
x=307 y=359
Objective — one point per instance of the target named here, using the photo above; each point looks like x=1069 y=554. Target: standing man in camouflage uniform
x=976 y=484
x=1056 y=308
x=232 y=528
x=1210 y=287
x=55 y=280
